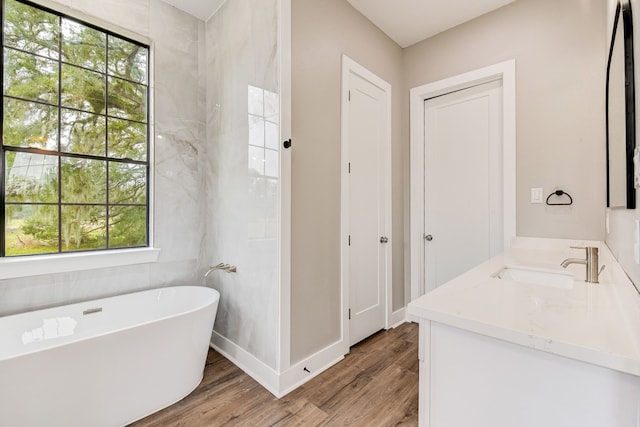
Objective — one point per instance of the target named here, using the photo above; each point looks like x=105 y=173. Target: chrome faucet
x=222 y=266
x=590 y=262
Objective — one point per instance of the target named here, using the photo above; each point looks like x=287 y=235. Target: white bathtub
x=142 y=352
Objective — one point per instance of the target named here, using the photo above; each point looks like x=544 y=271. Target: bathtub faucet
x=222 y=266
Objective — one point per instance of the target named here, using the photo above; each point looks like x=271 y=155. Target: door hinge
x=349 y=167
x=349 y=95
x=349 y=314
x=349 y=239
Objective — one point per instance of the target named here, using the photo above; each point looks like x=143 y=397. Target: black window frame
x=147 y=163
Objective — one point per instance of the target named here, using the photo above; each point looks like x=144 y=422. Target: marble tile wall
x=179 y=164
x=133 y=15
x=211 y=203
x=243 y=198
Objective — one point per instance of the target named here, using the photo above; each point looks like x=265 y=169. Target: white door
x=367 y=175
x=463 y=181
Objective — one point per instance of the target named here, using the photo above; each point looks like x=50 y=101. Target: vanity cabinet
x=469 y=379
x=499 y=351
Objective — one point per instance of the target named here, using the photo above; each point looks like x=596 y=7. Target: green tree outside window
x=75 y=135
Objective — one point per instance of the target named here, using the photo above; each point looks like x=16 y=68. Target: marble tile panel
x=241 y=52
x=179 y=132
x=37 y=292
x=30 y=293
x=132 y=15
x=179 y=216
x=173 y=27
x=176 y=86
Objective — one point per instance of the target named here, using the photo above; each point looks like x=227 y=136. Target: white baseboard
x=278 y=384
x=398 y=317
x=251 y=365
x=315 y=364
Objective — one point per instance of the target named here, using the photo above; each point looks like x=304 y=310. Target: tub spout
x=222 y=266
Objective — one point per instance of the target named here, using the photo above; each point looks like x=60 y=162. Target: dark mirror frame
x=624 y=9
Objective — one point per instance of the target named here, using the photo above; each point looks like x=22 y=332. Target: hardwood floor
x=375 y=385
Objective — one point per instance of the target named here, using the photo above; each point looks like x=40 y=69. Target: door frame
x=505 y=71
x=349 y=66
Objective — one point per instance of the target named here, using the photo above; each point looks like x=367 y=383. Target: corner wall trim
x=315 y=364
x=398 y=317
x=278 y=384
x=251 y=365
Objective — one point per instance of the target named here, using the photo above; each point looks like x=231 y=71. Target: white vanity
x=531 y=345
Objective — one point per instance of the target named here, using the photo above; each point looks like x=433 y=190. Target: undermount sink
x=553 y=278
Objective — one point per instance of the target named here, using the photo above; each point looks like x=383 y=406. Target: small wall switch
x=536 y=195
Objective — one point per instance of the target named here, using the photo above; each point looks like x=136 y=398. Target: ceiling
x=410 y=21
x=201 y=9
x=405 y=21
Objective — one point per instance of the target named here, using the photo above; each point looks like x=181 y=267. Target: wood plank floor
x=375 y=385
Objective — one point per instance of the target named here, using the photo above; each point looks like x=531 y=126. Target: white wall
x=621 y=235
x=560 y=74
x=179 y=161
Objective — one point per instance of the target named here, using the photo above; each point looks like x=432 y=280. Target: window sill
x=11 y=268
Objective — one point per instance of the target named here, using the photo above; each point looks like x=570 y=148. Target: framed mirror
x=620 y=111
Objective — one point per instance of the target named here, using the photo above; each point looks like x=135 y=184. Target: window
x=75 y=151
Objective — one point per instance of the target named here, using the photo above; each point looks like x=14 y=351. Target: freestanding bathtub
x=106 y=362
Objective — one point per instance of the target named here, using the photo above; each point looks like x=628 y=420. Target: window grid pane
x=75 y=135
x=42 y=26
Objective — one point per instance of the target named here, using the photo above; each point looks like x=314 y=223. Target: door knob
x=384 y=240
x=428 y=237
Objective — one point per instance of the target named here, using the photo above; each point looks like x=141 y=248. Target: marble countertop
x=593 y=323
